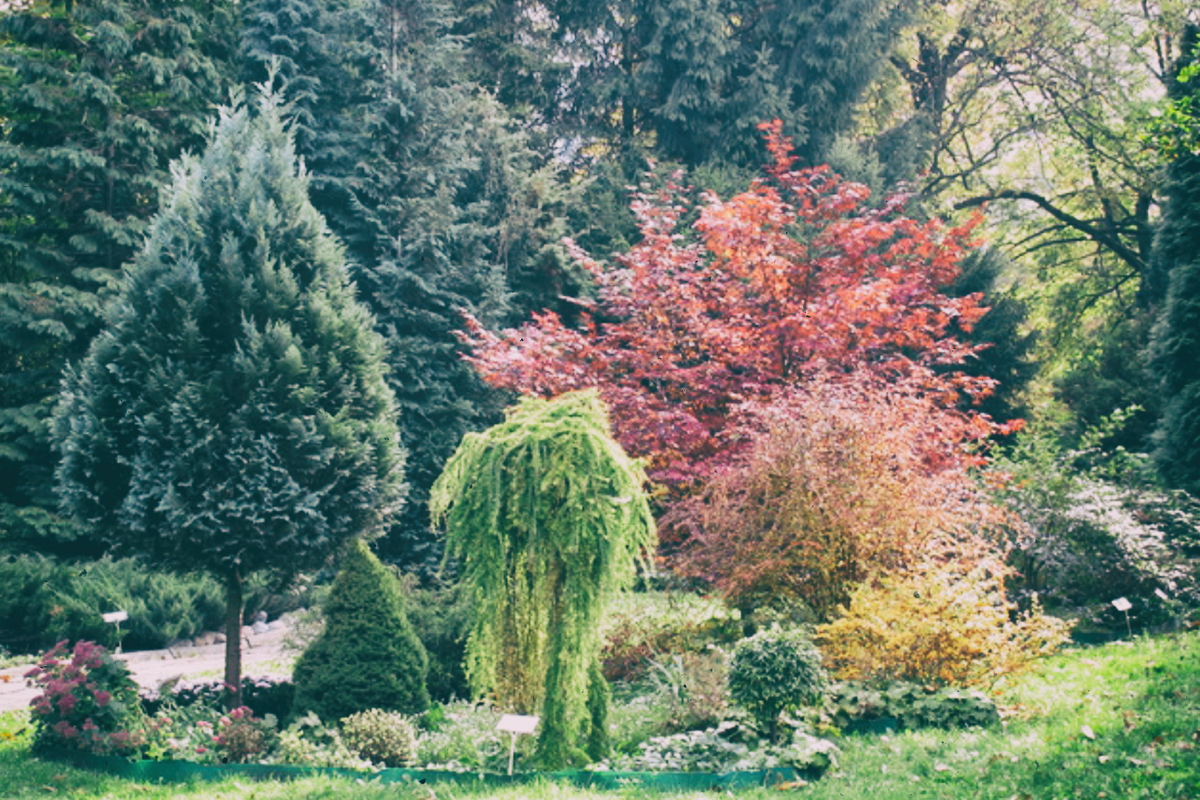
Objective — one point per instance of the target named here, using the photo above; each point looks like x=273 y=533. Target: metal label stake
x=514 y=724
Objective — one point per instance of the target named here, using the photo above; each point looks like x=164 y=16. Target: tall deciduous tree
x=233 y=416
x=1041 y=112
x=549 y=517
x=96 y=99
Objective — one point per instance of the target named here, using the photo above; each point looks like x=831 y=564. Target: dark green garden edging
x=183 y=771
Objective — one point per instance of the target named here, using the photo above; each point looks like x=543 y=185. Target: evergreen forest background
x=453 y=145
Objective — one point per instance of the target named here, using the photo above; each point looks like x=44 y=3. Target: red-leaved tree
x=793 y=277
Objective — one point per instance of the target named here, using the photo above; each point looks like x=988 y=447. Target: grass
x=1139 y=700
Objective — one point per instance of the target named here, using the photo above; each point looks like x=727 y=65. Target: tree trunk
x=233 y=638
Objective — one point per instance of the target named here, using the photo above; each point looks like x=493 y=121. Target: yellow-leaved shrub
x=935 y=625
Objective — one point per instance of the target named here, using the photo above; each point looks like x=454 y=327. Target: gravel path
x=265 y=657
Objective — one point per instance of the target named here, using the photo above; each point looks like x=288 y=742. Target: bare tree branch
x=1093 y=232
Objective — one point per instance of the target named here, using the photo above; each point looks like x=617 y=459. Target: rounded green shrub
x=381 y=736
x=368 y=655
x=776 y=670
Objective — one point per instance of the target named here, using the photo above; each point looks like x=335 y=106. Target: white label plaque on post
x=514 y=724
x=116 y=617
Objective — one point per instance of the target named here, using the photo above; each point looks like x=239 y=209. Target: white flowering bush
x=1090 y=525
x=308 y=742
x=710 y=751
x=462 y=737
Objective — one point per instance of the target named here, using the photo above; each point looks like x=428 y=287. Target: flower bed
x=90 y=714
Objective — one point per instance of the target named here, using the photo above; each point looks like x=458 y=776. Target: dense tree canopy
x=96 y=99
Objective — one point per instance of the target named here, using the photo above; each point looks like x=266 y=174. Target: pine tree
x=1175 y=344
x=233 y=416
x=96 y=99
x=368 y=655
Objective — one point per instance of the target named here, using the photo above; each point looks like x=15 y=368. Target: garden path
x=265 y=657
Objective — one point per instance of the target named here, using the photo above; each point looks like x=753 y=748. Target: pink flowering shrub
x=204 y=734
x=88 y=701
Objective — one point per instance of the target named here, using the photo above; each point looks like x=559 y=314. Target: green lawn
x=1140 y=701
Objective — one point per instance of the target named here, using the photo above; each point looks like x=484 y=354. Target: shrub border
x=183 y=771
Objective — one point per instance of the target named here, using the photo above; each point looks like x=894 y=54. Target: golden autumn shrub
x=937 y=626
x=838 y=484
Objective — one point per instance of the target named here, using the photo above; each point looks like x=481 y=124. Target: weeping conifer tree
x=548 y=517
x=233 y=416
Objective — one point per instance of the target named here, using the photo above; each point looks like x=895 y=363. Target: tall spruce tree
x=233 y=416
x=321 y=57
x=470 y=220
x=1175 y=345
x=442 y=203
x=96 y=98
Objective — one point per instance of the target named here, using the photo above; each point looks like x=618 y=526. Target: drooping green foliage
x=96 y=98
x=1176 y=338
x=233 y=416
x=548 y=517
x=368 y=655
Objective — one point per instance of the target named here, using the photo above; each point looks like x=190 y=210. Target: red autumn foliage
x=794 y=276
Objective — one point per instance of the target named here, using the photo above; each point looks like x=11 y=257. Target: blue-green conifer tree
x=233 y=416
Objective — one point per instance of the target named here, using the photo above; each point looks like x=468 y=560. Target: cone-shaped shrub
x=368 y=656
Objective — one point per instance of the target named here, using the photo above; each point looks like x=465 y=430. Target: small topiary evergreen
x=776 y=670
x=368 y=656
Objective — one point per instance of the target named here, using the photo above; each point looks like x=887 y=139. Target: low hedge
x=184 y=771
